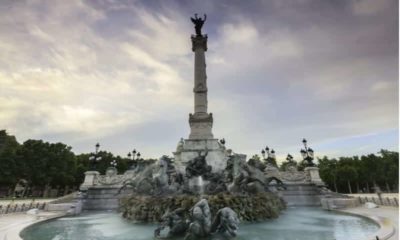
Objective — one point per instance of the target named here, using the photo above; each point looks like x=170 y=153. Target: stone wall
x=339 y=203
x=103 y=198
x=249 y=208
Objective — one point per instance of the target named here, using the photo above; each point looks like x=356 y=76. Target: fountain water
x=201 y=185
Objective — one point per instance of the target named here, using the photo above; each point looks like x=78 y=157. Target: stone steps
x=103 y=198
x=301 y=195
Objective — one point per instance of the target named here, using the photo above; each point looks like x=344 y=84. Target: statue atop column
x=198 y=23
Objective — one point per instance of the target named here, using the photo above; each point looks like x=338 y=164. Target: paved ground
x=385 y=195
x=40 y=200
x=390 y=213
x=12 y=224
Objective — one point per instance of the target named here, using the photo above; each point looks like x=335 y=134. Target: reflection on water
x=293 y=224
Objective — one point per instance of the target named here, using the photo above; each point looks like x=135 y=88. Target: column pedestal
x=313 y=172
x=201 y=126
x=191 y=148
x=90 y=180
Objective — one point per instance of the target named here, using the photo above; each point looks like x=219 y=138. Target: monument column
x=201 y=121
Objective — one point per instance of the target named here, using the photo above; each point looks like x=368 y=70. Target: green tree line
x=47 y=165
x=361 y=174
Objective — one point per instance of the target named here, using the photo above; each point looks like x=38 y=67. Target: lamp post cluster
x=114 y=163
x=133 y=156
x=307 y=154
x=94 y=158
x=271 y=158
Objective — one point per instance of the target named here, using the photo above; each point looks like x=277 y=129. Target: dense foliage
x=361 y=174
x=47 y=165
x=53 y=165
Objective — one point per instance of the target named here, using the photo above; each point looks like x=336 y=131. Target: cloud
x=121 y=72
x=370 y=7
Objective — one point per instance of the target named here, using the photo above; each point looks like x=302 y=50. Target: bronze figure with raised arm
x=198 y=23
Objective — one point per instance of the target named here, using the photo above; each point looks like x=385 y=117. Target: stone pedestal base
x=201 y=126
x=190 y=148
x=313 y=172
x=90 y=180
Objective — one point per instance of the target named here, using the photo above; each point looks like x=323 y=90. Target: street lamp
x=289 y=158
x=307 y=154
x=94 y=158
x=270 y=155
x=132 y=159
x=114 y=163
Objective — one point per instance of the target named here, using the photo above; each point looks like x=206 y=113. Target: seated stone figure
x=198 y=167
x=226 y=223
x=216 y=183
x=201 y=221
x=174 y=222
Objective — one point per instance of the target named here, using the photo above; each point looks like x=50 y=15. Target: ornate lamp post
x=307 y=154
x=270 y=155
x=289 y=158
x=311 y=169
x=94 y=158
x=131 y=156
x=91 y=175
x=114 y=163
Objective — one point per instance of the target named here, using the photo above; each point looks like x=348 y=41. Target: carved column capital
x=199 y=42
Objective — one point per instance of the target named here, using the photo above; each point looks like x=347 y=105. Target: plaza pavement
x=12 y=224
x=384 y=195
x=388 y=217
x=26 y=201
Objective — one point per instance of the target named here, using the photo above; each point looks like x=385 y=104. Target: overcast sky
x=121 y=73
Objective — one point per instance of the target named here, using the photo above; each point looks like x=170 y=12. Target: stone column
x=201 y=121
x=90 y=180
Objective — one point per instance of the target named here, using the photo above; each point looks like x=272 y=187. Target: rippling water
x=293 y=224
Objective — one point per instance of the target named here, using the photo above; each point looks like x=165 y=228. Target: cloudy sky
x=121 y=73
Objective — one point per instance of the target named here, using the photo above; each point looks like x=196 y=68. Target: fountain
x=204 y=190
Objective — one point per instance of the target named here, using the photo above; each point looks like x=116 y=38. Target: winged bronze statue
x=198 y=23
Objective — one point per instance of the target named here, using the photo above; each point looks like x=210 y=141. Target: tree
x=47 y=164
x=390 y=168
x=285 y=164
x=371 y=169
x=9 y=166
x=347 y=173
x=328 y=172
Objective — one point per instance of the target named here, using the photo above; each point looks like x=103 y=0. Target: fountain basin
x=303 y=223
